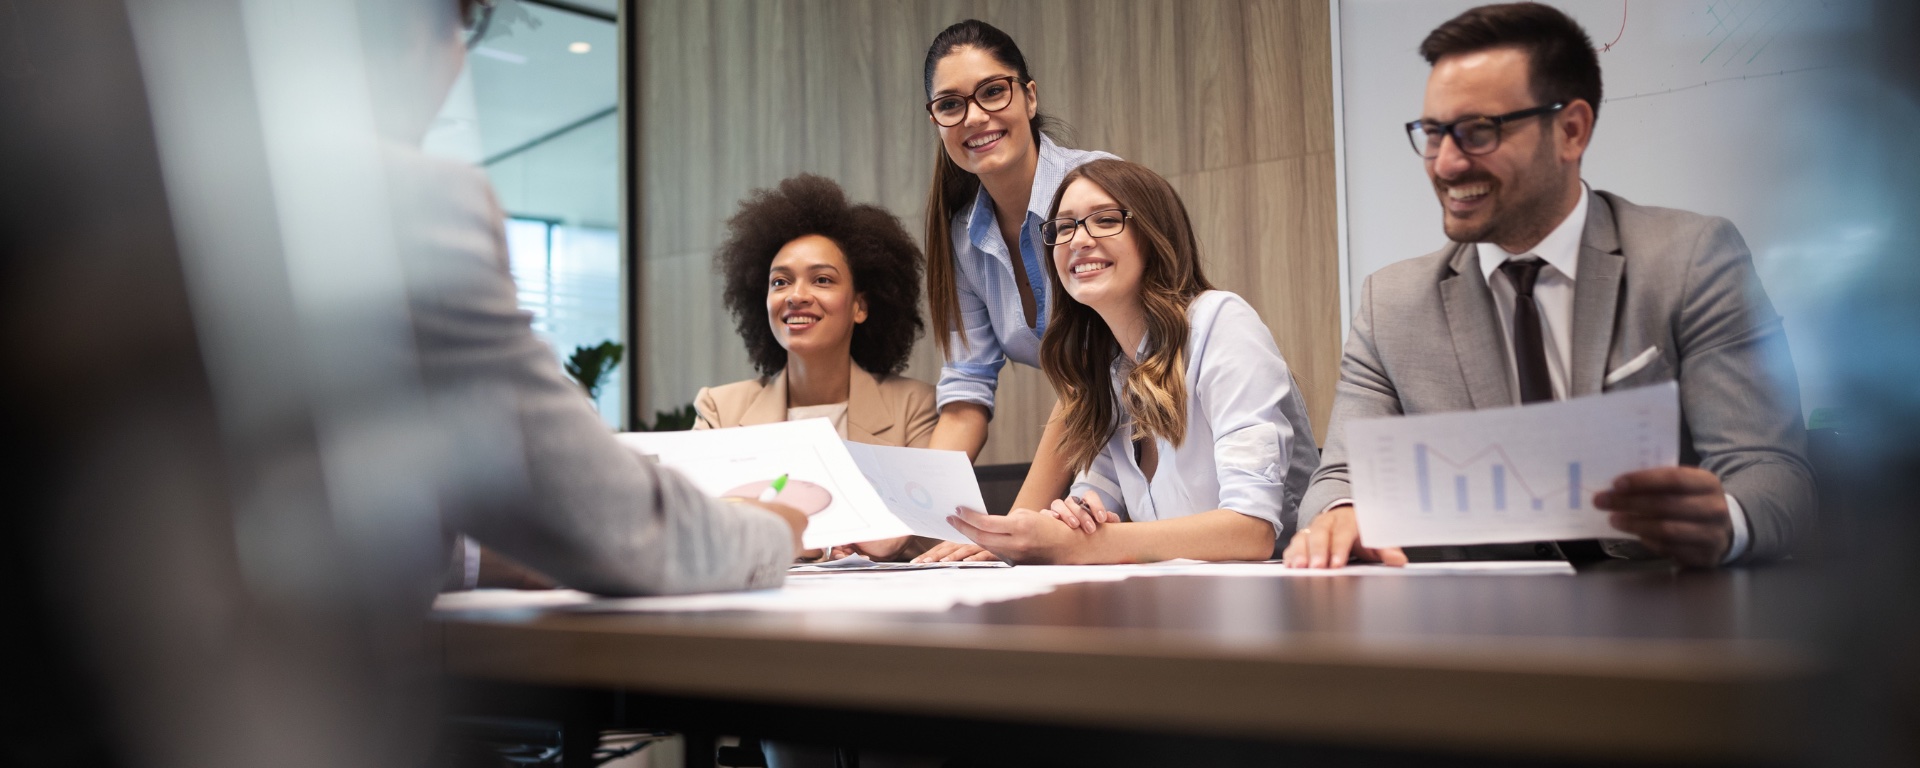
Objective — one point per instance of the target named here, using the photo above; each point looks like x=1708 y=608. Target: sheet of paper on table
x=857 y=563
x=822 y=479
x=509 y=599
x=1508 y=474
x=940 y=590
x=1276 y=569
x=921 y=486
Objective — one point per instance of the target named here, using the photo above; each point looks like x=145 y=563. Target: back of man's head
x=1562 y=65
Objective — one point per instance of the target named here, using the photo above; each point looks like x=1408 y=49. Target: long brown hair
x=1079 y=348
x=953 y=187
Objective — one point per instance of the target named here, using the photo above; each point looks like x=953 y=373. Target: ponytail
x=953 y=189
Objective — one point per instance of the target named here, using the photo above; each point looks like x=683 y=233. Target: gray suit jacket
x=528 y=467
x=1426 y=339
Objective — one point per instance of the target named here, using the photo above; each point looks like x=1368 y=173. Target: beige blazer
x=895 y=410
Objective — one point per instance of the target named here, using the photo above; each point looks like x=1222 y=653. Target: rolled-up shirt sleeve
x=1243 y=381
x=973 y=371
x=1101 y=477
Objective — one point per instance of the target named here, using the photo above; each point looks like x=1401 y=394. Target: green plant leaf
x=590 y=366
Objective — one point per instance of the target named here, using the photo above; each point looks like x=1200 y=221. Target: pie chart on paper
x=810 y=498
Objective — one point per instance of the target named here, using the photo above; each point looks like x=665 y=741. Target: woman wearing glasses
x=1177 y=411
x=994 y=172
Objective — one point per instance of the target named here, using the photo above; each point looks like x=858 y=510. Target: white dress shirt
x=1248 y=446
x=1553 y=294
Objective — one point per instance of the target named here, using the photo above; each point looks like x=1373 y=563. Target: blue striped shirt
x=993 y=327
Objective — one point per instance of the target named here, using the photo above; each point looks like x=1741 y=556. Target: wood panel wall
x=1231 y=100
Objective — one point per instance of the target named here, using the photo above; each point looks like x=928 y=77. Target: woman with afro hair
x=826 y=294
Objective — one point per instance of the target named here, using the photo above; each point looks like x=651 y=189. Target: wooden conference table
x=1624 y=662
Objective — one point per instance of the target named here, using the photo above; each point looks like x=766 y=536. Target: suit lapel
x=770 y=405
x=1595 y=297
x=1476 y=334
x=867 y=417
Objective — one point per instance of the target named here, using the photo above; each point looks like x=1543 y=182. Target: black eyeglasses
x=993 y=95
x=1473 y=135
x=1105 y=223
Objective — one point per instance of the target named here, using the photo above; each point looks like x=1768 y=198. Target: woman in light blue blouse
x=1176 y=410
x=994 y=173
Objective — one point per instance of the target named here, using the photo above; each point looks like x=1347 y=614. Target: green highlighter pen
x=773 y=491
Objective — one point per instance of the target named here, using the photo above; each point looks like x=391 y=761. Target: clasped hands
x=1678 y=512
x=1059 y=533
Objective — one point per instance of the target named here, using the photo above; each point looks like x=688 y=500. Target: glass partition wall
x=537 y=107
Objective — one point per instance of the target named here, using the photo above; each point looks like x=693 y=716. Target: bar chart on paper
x=1511 y=474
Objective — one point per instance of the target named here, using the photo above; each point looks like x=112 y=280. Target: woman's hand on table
x=1021 y=536
x=884 y=550
x=954 y=552
x=1082 y=513
x=878 y=551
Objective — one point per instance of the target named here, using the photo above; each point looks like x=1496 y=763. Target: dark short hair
x=885 y=262
x=1561 y=63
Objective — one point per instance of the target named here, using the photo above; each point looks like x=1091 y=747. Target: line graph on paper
x=1510 y=474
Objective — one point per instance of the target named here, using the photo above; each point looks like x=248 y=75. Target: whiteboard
x=1755 y=110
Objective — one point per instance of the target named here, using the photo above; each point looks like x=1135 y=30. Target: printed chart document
x=1506 y=475
x=921 y=485
x=822 y=479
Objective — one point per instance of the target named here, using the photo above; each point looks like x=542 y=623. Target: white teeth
x=982 y=141
x=800 y=321
x=1088 y=267
x=1464 y=192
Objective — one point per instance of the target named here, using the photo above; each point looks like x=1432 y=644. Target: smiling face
x=1101 y=272
x=1516 y=194
x=811 y=302
x=985 y=142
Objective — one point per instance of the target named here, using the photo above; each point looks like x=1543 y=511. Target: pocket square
x=1633 y=366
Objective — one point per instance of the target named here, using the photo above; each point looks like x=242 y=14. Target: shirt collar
x=1124 y=363
x=1560 y=249
x=1047 y=173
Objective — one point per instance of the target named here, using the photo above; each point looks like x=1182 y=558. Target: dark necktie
x=1530 y=360
x=1529 y=348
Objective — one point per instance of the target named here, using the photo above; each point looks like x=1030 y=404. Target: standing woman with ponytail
x=994 y=173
